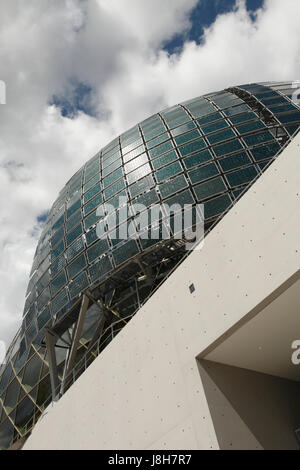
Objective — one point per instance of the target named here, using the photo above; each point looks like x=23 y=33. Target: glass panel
x=203 y=172
x=11 y=396
x=112 y=178
x=197 y=159
x=162 y=148
x=92 y=219
x=24 y=412
x=44 y=298
x=133 y=164
x=228 y=147
x=234 y=161
x=59 y=301
x=192 y=147
x=216 y=206
x=58 y=283
x=241 y=176
x=97 y=249
x=158 y=140
x=147 y=199
x=210 y=118
x=181 y=129
x=214 y=127
x=187 y=137
x=71 y=236
x=165 y=159
x=282 y=108
x=210 y=188
x=91 y=182
x=258 y=138
x=43 y=282
x=6 y=434
x=76 y=266
x=291 y=117
x=32 y=372
x=201 y=109
x=75 y=248
x=250 y=127
x=265 y=151
x=99 y=270
x=73 y=208
x=58 y=223
x=139 y=173
x=153 y=132
x=134 y=153
x=274 y=100
x=57 y=266
x=44 y=317
x=91 y=193
x=116 y=201
x=132 y=146
x=111 y=155
x=78 y=285
x=237 y=109
x=110 y=160
x=220 y=136
x=92 y=204
x=57 y=236
x=176 y=184
x=168 y=171
x=125 y=252
x=141 y=185
x=183 y=198
x=91 y=236
x=44 y=393
x=109 y=169
x=114 y=188
x=75 y=219
x=243 y=117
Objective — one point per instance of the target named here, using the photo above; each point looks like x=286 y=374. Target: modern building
x=202 y=357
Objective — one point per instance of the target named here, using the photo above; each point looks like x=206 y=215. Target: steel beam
x=77 y=334
x=50 y=344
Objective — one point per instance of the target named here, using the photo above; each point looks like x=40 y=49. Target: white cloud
x=115 y=47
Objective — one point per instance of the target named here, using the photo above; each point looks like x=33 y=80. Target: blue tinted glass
x=203 y=172
x=234 y=161
x=197 y=159
x=210 y=118
x=192 y=147
x=220 y=136
x=210 y=188
x=216 y=206
x=214 y=127
x=258 y=138
x=265 y=151
x=228 y=147
x=241 y=176
x=165 y=159
x=168 y=171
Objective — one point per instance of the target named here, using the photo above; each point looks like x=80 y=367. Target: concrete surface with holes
x=211 y=368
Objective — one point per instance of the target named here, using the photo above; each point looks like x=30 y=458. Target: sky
x=80 y=72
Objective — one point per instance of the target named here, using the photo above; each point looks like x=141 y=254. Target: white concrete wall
x=144 y=391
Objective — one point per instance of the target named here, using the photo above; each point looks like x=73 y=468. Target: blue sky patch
x=42 y=217
x=204 y=15
x=76 y=98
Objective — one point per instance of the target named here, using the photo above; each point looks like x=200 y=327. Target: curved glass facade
x=207 y=150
